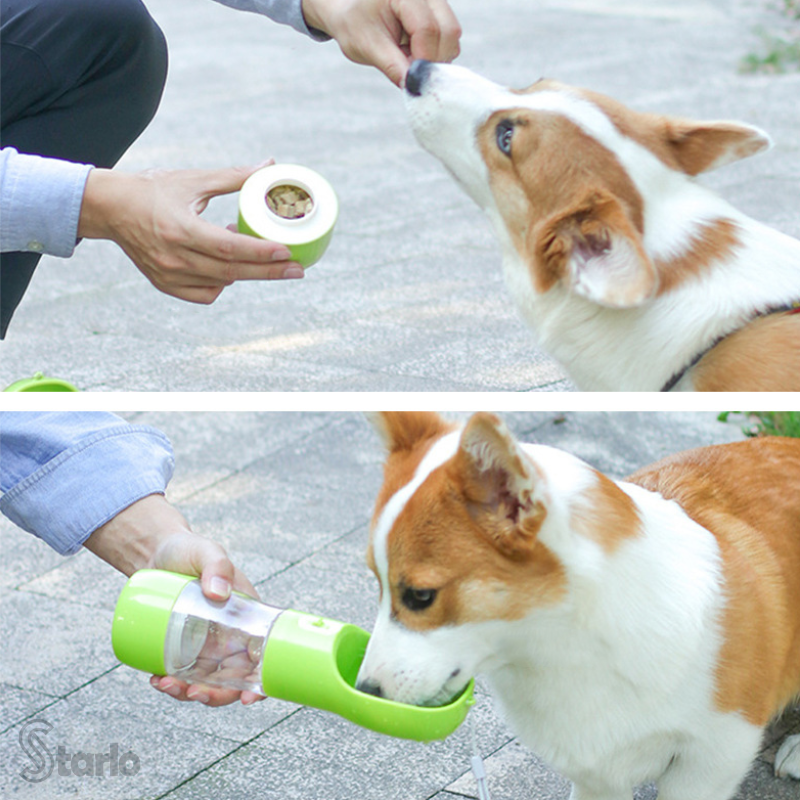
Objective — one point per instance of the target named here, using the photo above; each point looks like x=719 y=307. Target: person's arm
x=286 y=12
x=93 y=480
x=63 y=475
x=40 y=203
x=47 y=205
x=387 y=34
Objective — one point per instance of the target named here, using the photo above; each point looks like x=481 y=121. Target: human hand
x=190 y=554
x=154 y=216
x=153 y=534
x=388 y=34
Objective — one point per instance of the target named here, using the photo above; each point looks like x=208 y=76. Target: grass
x=780 y=50
x=781 y=54
x=768 y=423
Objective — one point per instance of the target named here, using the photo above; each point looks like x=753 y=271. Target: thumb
x=396 y=70
x=216 y=579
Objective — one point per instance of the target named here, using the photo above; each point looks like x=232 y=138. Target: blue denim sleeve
x=63 y=475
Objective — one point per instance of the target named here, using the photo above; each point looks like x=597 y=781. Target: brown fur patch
x=605 y=514
x=408 y=436
x=747 y=494
x=714 y=242
x=438 y=543
x=764 y=356
x=684 y=145
x=553 y=165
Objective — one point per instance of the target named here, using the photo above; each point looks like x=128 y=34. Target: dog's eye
x=418 y=599
x=505 y=133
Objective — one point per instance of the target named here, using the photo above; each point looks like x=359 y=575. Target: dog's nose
x=370 y=687
x=417 y=76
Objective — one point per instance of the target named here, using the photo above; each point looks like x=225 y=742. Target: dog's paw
x=787 y=762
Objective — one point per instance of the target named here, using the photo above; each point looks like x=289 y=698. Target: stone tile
x=621 y=442
x=18 y=704
x=57 y=646
x=292 y=506
x=82 y=579
x=313 y=754
x=146 y=763
x=24 y=556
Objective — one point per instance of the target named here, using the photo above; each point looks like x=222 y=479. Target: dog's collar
x=790 y=308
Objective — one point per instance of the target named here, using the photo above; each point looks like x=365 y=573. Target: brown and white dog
x=631 y=274
x=631 y=631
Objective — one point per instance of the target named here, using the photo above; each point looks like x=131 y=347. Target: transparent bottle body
x=218 y=644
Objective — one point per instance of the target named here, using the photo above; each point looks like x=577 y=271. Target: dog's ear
x=504 y=490
x=402 y=430
x=594 y=248
x=703 y=146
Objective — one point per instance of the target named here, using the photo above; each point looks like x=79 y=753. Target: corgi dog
x=630 y=631
x=631 y=274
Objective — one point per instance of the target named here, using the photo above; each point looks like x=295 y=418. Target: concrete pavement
x=410 y=296
x=290 y=495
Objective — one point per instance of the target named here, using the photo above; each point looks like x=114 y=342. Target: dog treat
x=289 y=202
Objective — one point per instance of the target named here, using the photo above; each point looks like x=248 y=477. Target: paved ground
x=410 y=296
x=290 y=496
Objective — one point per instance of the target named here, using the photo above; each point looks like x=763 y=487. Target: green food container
x=164 y=625
x=305 y=230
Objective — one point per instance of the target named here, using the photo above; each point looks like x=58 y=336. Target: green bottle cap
x=141 y=616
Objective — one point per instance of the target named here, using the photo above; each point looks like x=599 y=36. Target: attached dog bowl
x=315 y=661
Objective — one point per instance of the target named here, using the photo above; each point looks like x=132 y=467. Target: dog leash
x=790 y=308
x=476 y=762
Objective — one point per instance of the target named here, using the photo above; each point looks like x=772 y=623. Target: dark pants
x=79 y=80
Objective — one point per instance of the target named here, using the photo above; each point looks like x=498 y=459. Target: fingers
x=432 y=29
x=198 y=269
x=429 y=30
x=200 y=693
x=388 y=34
x=225 y=245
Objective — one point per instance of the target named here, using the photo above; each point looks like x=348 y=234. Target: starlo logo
x=65 y=763
x=32 y=744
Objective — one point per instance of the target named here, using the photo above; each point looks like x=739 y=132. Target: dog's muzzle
x=417 y=76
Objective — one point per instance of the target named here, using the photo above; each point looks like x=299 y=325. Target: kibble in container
x=292 y=205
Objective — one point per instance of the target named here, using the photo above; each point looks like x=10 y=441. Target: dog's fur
x=627 y=269
x=631 y=631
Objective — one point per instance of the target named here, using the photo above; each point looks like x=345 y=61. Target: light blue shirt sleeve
x=287 y=12
x=40 y=203
x=63 y=475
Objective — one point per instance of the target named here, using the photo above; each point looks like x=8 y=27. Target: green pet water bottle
x=165 y=625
